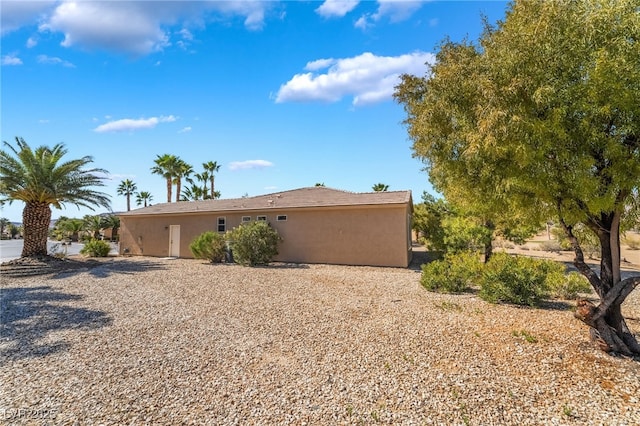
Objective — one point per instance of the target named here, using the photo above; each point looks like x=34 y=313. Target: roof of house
x=310 y=197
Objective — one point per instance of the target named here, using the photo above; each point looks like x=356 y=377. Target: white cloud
x=336 y=8
x=395 y=10
x=367 y=77
x=44 y=121
x=11 y=59
x=16 y=14
x=185 y=129
x=142 y=27
x=52 y=60
x=32 y=42
x=250 y=164
x=128 y=124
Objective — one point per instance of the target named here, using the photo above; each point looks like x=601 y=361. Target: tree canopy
x=40 y=178
x=540 y=118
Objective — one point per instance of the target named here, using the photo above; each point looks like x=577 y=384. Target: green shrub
x=210 y=246
x=632 y=243
x=569 y=286
x=255 y=243
x=518 y=280
x=453 y=274
x=96 y=248
x=550 y=245
x=463 y=234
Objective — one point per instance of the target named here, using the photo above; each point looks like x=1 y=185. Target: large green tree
x=127 y=188
x=541 y=118
x=40 y=178
x=166 y=165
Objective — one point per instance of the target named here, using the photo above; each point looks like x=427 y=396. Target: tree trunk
x=178 y=189
x=168 y=190
x=213 y=192
x=36 y=218
x=128 y=202
x=608 y=327
x=488 y=244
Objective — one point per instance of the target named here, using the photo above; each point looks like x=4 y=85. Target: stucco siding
x=360 y=235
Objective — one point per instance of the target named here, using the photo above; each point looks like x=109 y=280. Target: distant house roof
x=316 y=196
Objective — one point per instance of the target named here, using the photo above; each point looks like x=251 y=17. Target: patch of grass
x=567 y=411
x=349 y=410
x=448 y=306
x=526 y=335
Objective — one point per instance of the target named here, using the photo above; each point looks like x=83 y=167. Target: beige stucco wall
x=376 y=236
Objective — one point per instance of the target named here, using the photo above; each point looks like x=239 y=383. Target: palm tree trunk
x=36 y=218
x=169 y=189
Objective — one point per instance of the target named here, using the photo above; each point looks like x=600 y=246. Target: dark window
x=261 y=218
x=282 y=217
x=222 y=224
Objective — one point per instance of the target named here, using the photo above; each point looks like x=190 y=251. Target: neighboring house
x=317 y=225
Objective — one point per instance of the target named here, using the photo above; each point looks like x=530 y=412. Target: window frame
x=279 y=218
x=261 y=218
x=222 y=223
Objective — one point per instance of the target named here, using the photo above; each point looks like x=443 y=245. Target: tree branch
x=616 y=296
x=579 y=262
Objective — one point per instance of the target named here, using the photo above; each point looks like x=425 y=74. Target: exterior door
x=174 y=240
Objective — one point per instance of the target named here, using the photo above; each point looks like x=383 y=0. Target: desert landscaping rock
x=161 y=341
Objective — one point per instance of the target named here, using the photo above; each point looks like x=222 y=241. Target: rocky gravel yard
x=179 y=341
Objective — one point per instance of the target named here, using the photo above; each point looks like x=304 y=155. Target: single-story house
x=316 y=224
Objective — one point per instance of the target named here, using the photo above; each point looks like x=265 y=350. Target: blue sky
x=282 y=94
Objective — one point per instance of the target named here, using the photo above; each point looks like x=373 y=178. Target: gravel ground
x=152 y=341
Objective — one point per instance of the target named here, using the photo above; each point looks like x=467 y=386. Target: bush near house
x=504 y=279
x=518 y=280
x=456 y=273
x=210 y=246
x=253 y=244
x=96 y=248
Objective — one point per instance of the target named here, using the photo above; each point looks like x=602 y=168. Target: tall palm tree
x=183 y=169
x=127 y=188
x=380 y=187
x=40 y=179
x=143 y=197
x=166 y=166
x=203 y=177
x=212 y=167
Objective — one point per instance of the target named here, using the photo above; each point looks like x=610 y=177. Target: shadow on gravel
x=60 y=269
x=29 y=315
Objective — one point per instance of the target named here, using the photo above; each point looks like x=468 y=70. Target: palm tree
x=112 y=222
x=182 y=170
x=166 y=166
x=143 y=197
x=39 y=179
x=380 y=187
x=212 y=167
x=126 y=188
x=320 y=184
x=94 y=224
x=192 y=193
